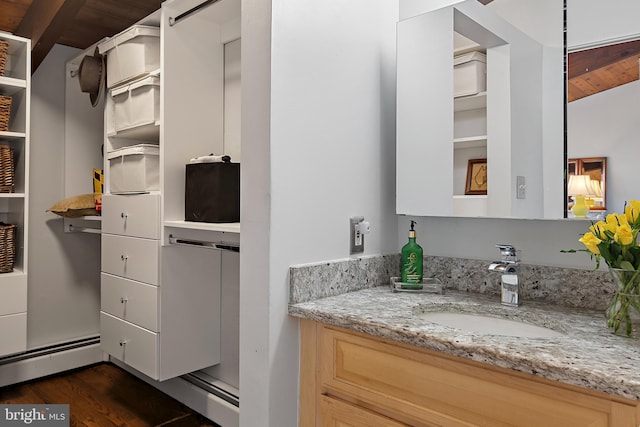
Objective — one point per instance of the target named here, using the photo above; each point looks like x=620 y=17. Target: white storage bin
x=136 y=104
x=134 y=169
x=469 y=74
x=131 y=54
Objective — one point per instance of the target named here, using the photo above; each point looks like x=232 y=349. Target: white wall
x=64 y=268
x=324 y=142
x=592 y=21
x=318 y=147
x=607 y=124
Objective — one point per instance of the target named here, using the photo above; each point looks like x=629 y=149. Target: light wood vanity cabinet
x=351 y=379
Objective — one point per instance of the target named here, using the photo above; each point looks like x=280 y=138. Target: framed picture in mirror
x=596 y=169
x=476 y=177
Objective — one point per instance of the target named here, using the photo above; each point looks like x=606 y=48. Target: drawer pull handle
x=123 y=300
x=123 y=343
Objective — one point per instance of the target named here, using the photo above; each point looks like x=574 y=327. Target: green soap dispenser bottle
x=411 y=262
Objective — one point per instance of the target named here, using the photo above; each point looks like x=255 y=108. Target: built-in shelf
x=470 y=196
x=232 y=227
x=12 y=135
x=470 y=142
x=11 y=195
x=471 y=102
x=15 y=272
x=145 y=132
x=470 y=205
x=11 y=85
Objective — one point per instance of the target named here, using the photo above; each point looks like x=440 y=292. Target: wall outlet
x=356 y=235
x=520 y=187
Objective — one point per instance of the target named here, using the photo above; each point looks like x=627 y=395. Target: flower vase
x=623 y=312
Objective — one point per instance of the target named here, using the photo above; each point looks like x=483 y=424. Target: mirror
x=524 y=134
x=594 y=169
x=605 y=123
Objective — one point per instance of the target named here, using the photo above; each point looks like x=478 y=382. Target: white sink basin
x=477 y=323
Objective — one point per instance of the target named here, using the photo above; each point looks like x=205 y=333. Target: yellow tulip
x=622 y=219
x=632 y=211
x=611 y=223
x=598 y=229
x=624 y=235
x=591 y=242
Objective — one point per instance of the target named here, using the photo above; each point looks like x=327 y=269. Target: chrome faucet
x=506 y=266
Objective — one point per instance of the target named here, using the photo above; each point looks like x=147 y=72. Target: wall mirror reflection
x=587 y=183
x=603 y=95
x=515 y=122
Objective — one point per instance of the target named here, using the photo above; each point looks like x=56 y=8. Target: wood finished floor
x=104 y=395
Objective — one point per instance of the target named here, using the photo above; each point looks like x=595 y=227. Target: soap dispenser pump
x=411 y=275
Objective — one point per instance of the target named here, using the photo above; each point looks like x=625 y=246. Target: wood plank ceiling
x=75 y=23
x=81 y=23
x=595 y=70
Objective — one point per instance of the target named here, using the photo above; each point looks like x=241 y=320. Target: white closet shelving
x=162 y=276
x=16 y=83
x=470 y=139
x=203 y=128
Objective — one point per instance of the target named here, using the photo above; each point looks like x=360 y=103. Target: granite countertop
x=586 y=354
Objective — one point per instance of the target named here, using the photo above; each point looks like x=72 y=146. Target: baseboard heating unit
x=48 y=360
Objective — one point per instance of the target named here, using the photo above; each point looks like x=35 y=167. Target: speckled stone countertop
x=586 y=355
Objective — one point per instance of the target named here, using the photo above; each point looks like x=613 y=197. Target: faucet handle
x=508 y=252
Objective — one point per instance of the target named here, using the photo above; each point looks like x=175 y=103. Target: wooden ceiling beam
x=586 y=61
x=43 y=23
x=595 y=70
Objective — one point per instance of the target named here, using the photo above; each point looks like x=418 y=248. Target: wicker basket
x=4 y=51
x=5 y=112
x=7 y=169
x=7 y=247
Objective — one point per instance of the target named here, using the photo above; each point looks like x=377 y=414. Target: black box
x=212 y=192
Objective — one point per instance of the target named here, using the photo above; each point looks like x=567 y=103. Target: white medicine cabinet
x=443 y=138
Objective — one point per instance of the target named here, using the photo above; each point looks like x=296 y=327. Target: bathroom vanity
x=369 y=358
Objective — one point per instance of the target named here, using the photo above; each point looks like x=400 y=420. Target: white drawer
x=131 y=257
x=136 y=215
x=13 y=294
x=135 y=346
x=135 y=302
x=13 y=333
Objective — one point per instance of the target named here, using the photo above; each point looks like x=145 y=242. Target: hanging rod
x=175 y=20
x=222 y=246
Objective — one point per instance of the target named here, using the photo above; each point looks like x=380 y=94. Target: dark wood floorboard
x=104 y=395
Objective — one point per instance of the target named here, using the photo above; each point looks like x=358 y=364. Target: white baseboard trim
x=209 y=405
x=29 y=368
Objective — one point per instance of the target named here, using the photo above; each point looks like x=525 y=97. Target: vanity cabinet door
x=419 y=387
x=336 y=413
